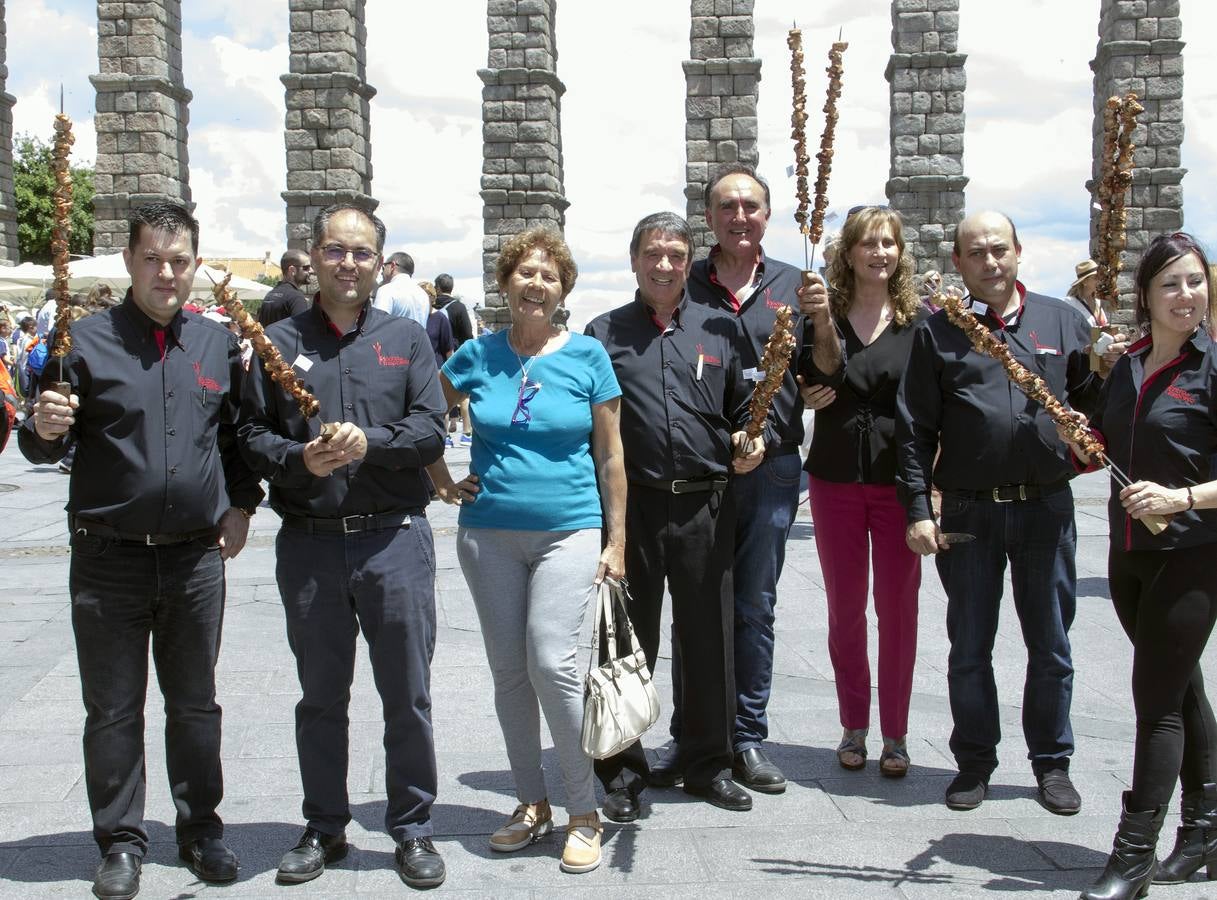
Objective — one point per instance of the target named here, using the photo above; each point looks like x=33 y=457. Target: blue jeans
x=1039 y=538
x=381 y=583
x=124 y=593
x=766 y=500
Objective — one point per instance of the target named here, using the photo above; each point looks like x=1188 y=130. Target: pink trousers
x=849 y=520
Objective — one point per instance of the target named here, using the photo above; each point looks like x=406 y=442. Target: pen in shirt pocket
x=701 y=359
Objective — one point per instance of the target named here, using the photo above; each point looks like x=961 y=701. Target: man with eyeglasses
x=684 y=403
x=286 y=298
x=399 y=294
x=355 y=551
x=159 y=498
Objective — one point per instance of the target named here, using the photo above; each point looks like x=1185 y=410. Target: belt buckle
x=346 y=529
x=997 y=496
x=148 y=541
x=1022 y=494
x=680 y=481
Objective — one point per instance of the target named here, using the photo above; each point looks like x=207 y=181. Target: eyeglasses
x=338 y=253
x=528 y=390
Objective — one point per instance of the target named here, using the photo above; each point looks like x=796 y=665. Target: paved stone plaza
x=832 y=834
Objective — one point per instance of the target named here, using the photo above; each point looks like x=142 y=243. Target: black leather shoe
x=1056 y=792
x=622 y=804
x=117 y=877
x=967 y=790
x=666 y=770
x=723 y=793
x=209 y=859
x=419 y=863
x=307 y=859
x=753 y=768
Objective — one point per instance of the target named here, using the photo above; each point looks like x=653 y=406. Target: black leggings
x=1166 y=601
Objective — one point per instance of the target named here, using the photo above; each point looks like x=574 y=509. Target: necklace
x=531 y=360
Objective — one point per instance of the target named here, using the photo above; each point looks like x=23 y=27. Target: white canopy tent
x=28 y=283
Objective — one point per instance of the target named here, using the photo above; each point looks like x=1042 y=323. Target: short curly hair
x=905 y=301
x=549 y=242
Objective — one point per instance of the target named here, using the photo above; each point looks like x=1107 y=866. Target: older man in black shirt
x=355 y=551
x=285 y=298
x=683 y=396
x=159 y=498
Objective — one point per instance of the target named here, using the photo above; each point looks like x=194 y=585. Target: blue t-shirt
x=537 y=474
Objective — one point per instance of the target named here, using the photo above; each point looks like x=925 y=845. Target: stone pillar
x=1140 y=50
x=9 y=255
x=721 y=78
x=926 y=74
x=142 y=114
x=522 y=184
x=327 y=127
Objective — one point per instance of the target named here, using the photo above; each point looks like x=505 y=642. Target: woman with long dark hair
x=1157 y=418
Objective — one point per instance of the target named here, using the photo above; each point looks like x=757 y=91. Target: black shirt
x=381 y=376
x=991 y=432
x=283 y=301
x=458 y=316
x=676 y=423
x=775 y=287
x=156 y=433
x=854 y=436
x=1165 y=432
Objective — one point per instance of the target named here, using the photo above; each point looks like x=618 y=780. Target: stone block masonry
x=522 y=181
x=9 y=255
x=1140 y=50
x=327 y=128
x=721 y=78
x=927 y=82
x=142 y=114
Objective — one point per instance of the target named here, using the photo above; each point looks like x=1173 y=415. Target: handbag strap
x=621 y=594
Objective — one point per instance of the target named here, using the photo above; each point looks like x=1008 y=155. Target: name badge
x=753 y=374
x=303 y=363
x=979 y=308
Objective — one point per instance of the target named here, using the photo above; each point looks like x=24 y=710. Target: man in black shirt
x=963 y=426
x=355 y=552
x=738 y=278
x=159 y=498
x=462 y=330
x=285 y=298
x=683 y=404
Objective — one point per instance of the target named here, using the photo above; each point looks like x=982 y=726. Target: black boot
x=1132 y=864
x=1196 y=843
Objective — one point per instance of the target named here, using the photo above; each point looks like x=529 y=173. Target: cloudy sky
x=1027 y=145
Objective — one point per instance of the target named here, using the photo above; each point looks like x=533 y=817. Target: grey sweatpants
x=531 y=590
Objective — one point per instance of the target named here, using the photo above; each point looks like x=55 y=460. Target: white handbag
x=619 y=698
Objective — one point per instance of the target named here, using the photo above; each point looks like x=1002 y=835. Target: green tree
x=34 y=186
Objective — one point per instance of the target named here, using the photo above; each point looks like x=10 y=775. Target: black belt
x=717 y=484
x=349 y=524
x=78 y=525
x=1008 y=493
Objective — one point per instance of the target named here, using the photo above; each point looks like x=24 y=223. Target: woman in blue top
x=545 y=407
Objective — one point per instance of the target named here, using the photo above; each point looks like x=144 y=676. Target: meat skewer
x=61 y=234
x=1115 y=178
x=1036 y=388
x=272 y=360
x=774 y=363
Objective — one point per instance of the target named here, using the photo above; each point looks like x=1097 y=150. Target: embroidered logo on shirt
x=206 y=383
x=770 y=302
x=389 y=360
x=1043 y=348
x=709 y=359
x=1179 y=393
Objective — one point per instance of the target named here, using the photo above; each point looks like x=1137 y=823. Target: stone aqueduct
x=142 y=114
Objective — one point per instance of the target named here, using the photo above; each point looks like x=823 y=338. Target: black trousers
x=123 y=595
x=1166 y=601
x=689 y=541
x=333 y=586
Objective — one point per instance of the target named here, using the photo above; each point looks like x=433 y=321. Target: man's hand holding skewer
x=54 y=414
x=813 y=300
x=348 y=444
